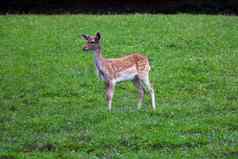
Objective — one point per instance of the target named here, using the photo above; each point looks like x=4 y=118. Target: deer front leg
x=109 y=92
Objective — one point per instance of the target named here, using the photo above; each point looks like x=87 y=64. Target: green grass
x=53 y=106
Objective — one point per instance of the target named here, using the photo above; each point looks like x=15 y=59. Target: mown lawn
x=53 y=106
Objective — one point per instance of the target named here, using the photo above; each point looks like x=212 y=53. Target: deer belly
x=128 y=74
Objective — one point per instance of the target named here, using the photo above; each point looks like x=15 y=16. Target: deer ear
x=98 y=36
x=83 y=36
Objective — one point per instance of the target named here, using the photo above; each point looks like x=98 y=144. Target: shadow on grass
x=39 y=147
x=7 y=157
x=157 y=146
x=233 y=154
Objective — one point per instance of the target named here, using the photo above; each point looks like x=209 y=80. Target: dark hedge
x=122 y=6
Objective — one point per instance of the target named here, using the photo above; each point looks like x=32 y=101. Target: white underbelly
x=128 y=74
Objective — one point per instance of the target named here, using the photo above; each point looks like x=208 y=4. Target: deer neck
x=98 y=58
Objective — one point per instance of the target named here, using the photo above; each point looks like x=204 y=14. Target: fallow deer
x=134 y=67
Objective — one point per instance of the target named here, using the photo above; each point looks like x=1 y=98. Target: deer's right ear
x=83 y=36
x=98 y=36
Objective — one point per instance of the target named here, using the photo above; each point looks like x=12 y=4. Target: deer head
x=93 y=42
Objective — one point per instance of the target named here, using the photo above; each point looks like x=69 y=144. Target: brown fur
x=134 y=67
x=114 y=66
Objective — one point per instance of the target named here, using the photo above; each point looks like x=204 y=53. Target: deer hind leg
x=146 y=82
x=109 y=92
x=136 y=81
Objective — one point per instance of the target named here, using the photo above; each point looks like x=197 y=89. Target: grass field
x=52 y=104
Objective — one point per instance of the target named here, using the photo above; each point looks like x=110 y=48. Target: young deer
x=134 y=67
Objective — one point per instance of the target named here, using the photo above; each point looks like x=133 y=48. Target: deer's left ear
x=98 y=36
x=83 y=36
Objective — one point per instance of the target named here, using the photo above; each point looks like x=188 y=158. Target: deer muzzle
x=85 y=48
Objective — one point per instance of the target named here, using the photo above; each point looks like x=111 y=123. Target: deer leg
x=140 y=88
x=146 y=82
x=110 y=91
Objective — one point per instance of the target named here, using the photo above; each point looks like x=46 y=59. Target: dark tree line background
x=120 y=6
